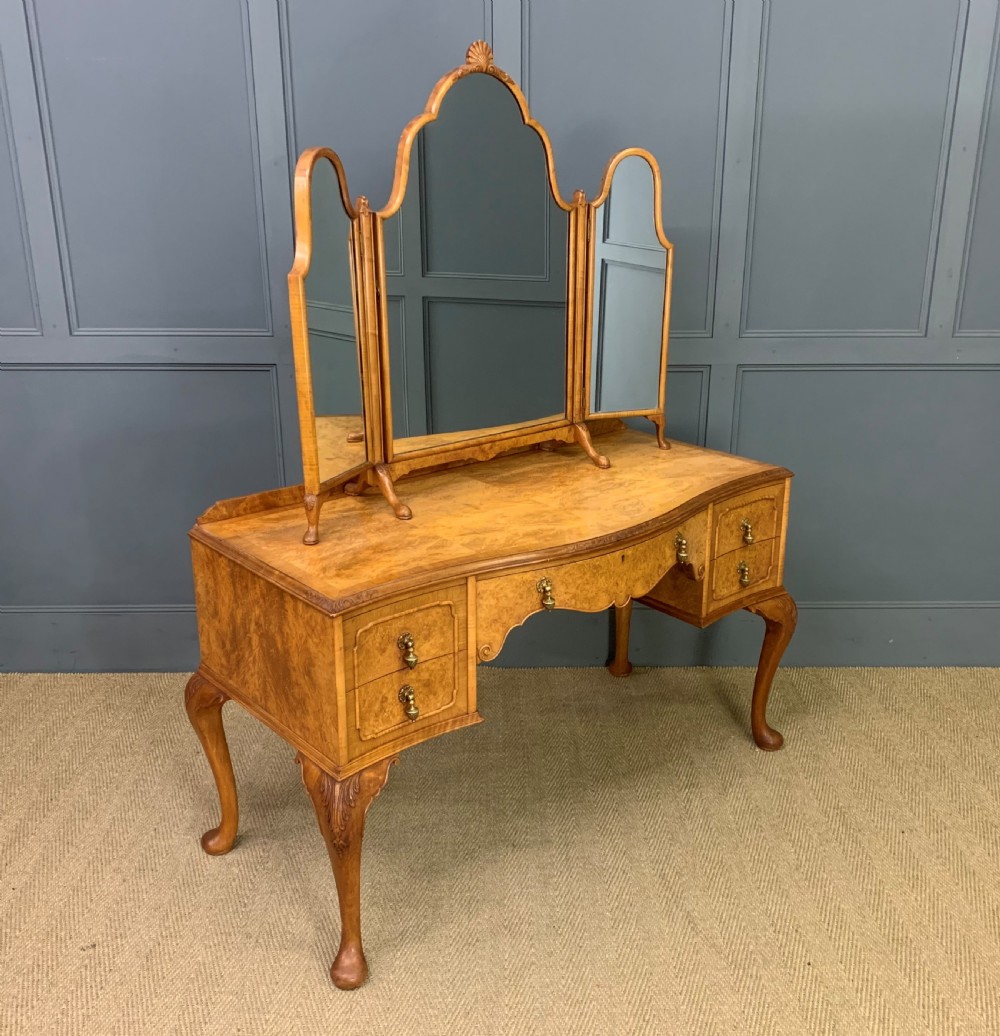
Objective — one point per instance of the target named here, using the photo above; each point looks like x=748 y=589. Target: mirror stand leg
x=582 y=436
x=659 y=425
x=620 y=665
x=313 y=504
x=389 y=492
x=360 y=485
x=340 y=810
x=203 y=702
x=779 y=615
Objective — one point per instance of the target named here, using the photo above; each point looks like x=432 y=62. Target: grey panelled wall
x=153 y=193
x=832 y=186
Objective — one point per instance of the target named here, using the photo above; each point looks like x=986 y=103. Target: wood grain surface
x=270 y=651
x=436 y=621
x=761 y=570
x=585 y=585
x=337 y=451
x=375 y=713
x=544 y=507
x=340 y=811
x=761 y=509
x=307 y=631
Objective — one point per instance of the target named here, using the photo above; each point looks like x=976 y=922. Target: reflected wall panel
x=520 y=345
x=484 y=189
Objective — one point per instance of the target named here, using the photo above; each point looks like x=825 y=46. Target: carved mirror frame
x=655 y=414
x=383 y=465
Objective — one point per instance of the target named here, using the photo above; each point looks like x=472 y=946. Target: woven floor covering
x=601 y=856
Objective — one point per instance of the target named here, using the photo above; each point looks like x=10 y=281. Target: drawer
x=588 y=585
x=756 y=515
x=377 y=712
x=760 y=571
x=436 y=622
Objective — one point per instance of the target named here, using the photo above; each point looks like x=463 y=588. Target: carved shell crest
x=479 y=55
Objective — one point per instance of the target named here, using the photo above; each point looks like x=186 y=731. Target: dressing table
x=466 y=360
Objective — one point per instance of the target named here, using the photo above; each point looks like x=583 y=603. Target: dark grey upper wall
x=832 y=186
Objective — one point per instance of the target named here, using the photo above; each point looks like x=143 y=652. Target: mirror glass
x=475 y=276
x=333 y=343
x=630 y=268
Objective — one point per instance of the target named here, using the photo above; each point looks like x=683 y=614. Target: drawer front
x=746 y=570
x=753 y=516
x=589 y=585
x=377 y=711
x=436 y=622
x=684 y=586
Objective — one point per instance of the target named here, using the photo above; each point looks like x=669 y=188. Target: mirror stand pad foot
x=661 y=440
x=389 y=492
x=582 y=435
x=312 y=504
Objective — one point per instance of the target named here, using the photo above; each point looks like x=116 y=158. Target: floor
x=601 y=856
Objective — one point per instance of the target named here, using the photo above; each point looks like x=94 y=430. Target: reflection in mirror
x=630 y=267
x=476 y=276
x=333 y=345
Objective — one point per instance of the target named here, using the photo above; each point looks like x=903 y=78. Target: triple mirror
x=480 y=310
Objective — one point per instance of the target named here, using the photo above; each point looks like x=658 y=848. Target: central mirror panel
x=476 y=282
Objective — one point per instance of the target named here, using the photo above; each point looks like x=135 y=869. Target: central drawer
x=589 y=585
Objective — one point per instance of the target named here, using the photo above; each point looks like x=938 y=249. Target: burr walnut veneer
x=367 y=643
x=361 y=637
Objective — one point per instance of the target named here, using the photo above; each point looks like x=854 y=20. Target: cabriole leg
x=340 y=809
x=204 y=701
x=779 y=615
x=620 y=665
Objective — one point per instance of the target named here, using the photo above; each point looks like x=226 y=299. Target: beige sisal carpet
x=601 y=856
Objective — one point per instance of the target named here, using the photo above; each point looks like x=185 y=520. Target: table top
x=538 y=506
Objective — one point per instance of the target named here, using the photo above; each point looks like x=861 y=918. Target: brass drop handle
x=405 y=644
x=682 y=549
x=544 y=587
x=744 y=570
x=747 y=526
x=406 y=696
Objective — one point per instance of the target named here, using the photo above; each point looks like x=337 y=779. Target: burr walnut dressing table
x=466 y=359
